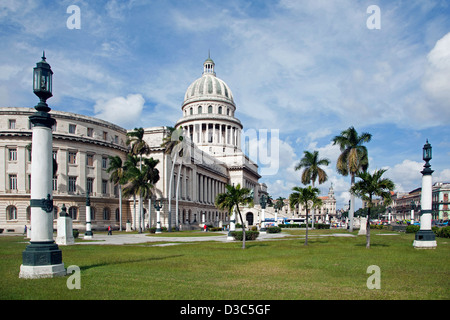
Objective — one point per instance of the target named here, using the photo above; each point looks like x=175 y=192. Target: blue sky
x=307 y=69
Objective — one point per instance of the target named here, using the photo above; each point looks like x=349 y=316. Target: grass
x=328 y=268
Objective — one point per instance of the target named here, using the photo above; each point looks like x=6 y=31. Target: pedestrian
x=109 y=231
x=204 y=227
x=25 y=230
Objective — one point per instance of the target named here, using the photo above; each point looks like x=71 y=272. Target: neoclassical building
x=82 y=144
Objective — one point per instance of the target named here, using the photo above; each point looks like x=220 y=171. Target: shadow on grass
x=102 y=264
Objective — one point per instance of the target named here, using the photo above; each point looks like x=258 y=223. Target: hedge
x=273 y=230
x=443 y=232
x=249 y=235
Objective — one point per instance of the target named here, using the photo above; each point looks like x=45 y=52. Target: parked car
x=442 y=223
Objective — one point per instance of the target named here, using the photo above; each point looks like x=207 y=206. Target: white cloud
x=406 y=175
x=437 y=81
x=120 y=110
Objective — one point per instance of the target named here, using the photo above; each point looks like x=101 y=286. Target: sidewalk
x=119 y=239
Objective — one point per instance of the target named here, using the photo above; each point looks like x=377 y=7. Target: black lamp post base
x=425 y=239
x=42 y=260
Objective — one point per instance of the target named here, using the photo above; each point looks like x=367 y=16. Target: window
x=12 y=154
x=92 y=213
x=73 y=212
x=29 y=155
x=72 y=157
x=90 y=185
x=72 y=184
x=210 y=109
x=11 y=212
x=117 y=214
x=13 y=182
x=72 y=128
x=104 y=162
x=90 y=132
x=192 y=111
x=29 y=181
x=12 y=123
x=90 y=160
x=55 y=154
x=116 y=139
x=105 y=135
x=54 y=127
x=106 y=214
x=55 y=183
x=28 y=213
x=104 y=186
x=220 y=110
x=199 y=109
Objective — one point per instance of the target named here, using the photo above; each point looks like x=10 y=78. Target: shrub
x=75 y=233
x=273 y=230
x=412 y=229
x=249 y=235
x=443 y=232
x=215 y=229
x=295 y=225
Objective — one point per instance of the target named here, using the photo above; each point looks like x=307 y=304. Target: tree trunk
x=177 y=196
x=120 y=207
x=170 y=192
x=243 y=227
x=351 y=210
x=368 y=225
x=306 y=238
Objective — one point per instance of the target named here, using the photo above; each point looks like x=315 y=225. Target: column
x=42 y=258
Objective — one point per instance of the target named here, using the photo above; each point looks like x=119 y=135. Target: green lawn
x=328 y=268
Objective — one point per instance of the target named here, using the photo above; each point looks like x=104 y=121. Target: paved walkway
x=118 y=239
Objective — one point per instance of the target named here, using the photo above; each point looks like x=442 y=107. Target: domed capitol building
x=82 y=146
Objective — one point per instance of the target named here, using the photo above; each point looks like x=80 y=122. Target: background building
x=82 y=144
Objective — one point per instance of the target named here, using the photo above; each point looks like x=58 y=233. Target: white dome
x=208 y=87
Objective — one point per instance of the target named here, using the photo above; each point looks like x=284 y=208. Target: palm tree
x=172 y=145
x=312 y=170
x=372 y=185
x=307 y=197
x=128 y=191
x=231 y=199
x=311 y=165
x=153 y=177
x=138 y=147
x=279 y=204
x=353 y=158
x=141 y=182
x=117 y=176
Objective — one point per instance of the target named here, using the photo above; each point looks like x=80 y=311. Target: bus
x=295 y=221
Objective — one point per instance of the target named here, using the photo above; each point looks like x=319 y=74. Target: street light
x=158 y=205
x=42 y=257
x=263 y=202
x=425 y=238
x=413 y=207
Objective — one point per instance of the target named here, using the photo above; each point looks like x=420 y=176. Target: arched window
x=92 y=213
x=11 y=212
x=192 y=111
x=106 y=214
x=28 y=213
x=199 y=110
x=220 y=110
x=210 y=109
x=117 y=214
x=73 y=213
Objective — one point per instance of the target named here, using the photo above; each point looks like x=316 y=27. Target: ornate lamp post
x=42 y=258
x=263 y=202
x=413 y=207
x=425 y=238
x=88 y=234
x=158 y=205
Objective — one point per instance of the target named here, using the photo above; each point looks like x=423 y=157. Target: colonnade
x=214 y=132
